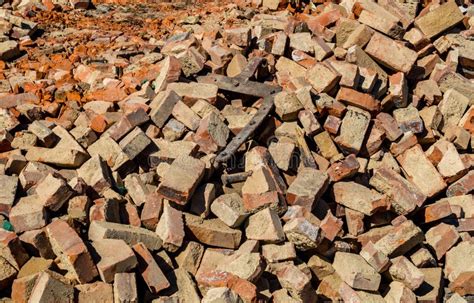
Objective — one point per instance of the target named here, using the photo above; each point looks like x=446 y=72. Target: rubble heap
x=237 y=152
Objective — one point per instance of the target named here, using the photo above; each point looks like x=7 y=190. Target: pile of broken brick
x=254 y=154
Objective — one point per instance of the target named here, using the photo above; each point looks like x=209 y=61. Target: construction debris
x=236 y=151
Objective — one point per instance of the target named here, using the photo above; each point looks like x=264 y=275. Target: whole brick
x=400 y=239
x=212 y=232
x=265 y=225
x=358 y=197
x=49 y=287
x=149 y=270
x=377 y=259
x=170 y=227
x=296 y=282
x=22 y=287
x=421 y=172
x=431 y=289
x=95 y=293
x=404 y=271
x=279 y=252
x=9 y=186
x=440 y=19
x=131 y=235
x=36 y=243
x=390 y=53
x=134 y=143
x=28 y=214
x=353 y=129
x=95 y=173
x=322 y=78
x=355 y=271
x=345 y=168
x=181 y=179
x=125 y=288
x=455 y=262
x=302 y=233
x=441 y=238
x=229 y=208
x=162 y=107
x=309 y=185
x=403 y=195
x=212 y=133
x=53 y=192
x=399 y=293
x=190 y=258
x=115 y=257
x=72 y=251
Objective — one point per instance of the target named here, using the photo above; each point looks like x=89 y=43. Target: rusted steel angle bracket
x=240 y=86
x=257 y=120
